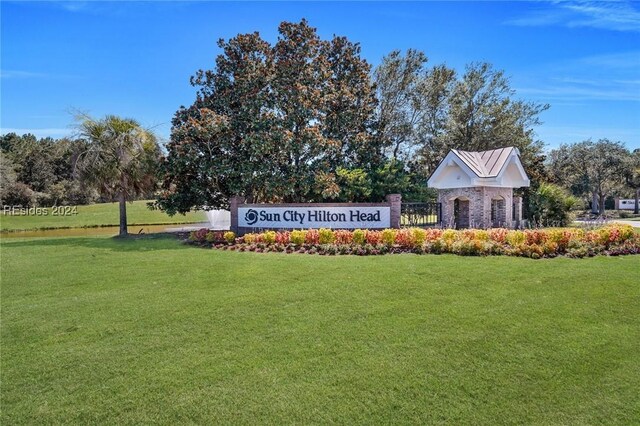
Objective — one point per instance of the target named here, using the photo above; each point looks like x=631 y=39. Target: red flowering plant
x=499 y=235
x=373 y=237
x=535 y=236
x=433 y=234
x=312 y=236
x=535 y=243
x=283 y=237
x=199 y=236
x=343 y=236
x=404 y=238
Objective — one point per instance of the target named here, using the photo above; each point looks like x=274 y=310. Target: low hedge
x=534 y=243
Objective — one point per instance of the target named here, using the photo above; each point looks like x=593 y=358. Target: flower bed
x=535 y=243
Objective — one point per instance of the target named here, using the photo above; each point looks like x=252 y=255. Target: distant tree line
x=46 y=172
x=40 y=172
x=596 y=171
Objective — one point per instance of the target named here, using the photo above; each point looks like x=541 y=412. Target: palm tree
x=120 y=159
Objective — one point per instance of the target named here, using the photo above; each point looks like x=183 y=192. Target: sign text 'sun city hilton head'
x=314 y=217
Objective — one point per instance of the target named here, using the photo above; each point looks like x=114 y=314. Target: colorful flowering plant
x=326 y=236
x=358 y=237
x=537 y=243
x=312 y=236
x=373 y=237
x=388 y=237
x=343 y=236
x=298 y=237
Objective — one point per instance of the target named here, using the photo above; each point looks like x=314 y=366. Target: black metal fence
x=420 y=214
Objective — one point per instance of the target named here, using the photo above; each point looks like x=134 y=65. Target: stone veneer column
x=447 y=220
x=233 y=207
x=395 y=202
x=477 y=207
x=517 y=205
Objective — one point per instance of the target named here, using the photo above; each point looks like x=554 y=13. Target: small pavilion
x=475 y=189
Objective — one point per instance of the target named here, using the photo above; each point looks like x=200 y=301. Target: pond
x=105 y=230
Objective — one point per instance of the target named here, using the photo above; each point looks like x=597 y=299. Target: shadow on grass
x=137 y=243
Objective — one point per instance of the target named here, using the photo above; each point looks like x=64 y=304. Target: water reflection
x=89 y=232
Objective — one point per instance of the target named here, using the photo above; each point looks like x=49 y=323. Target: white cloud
x=621 y=61
x=73 y=6
x=608 y=15
x=610 y=77
x=556 y=135
x=20 y=74
x=577 y=92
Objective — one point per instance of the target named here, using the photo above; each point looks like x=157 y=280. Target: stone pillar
x=479 y=207
x=233 y=207
x=508 y=209
x=395 y=202
x=517 y=213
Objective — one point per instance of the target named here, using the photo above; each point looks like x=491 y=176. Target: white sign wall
x=314 y=217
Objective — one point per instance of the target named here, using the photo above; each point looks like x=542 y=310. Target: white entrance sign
x=314 y=217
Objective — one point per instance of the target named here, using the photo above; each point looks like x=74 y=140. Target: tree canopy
x=306 y=119
x=425 y=112
x=40 y=171
x=592 y=170
x=272 y=122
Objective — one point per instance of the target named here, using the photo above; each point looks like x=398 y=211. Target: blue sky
x=135 y=59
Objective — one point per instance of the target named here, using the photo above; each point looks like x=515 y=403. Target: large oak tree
x=272 y=122
x=593 y=170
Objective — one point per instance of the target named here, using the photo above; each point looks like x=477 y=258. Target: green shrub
x=199 y=236
x=388 y=236
x=298 y=237
x=624 y=214
x=536 y=243
x=269 y=237
x=449 y=236
x=419 y=236
x=326 y=236
x=482 y=235
x=516 y=238
x=550 y=205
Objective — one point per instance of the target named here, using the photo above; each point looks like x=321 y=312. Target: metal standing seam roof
x=485 y=164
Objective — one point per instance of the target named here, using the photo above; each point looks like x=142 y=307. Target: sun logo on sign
x=251 y=217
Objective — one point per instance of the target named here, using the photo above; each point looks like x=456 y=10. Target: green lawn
x=99 y=330
x=106 y=214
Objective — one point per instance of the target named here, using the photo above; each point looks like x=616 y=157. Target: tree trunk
x=123 y=214
x=635 y=208
x=594 y=203
x=601 y=206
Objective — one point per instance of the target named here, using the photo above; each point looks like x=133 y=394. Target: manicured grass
x=98 y=330
x=105 y=214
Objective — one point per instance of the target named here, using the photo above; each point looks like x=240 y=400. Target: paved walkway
x=634 y=223
x=188 y=227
